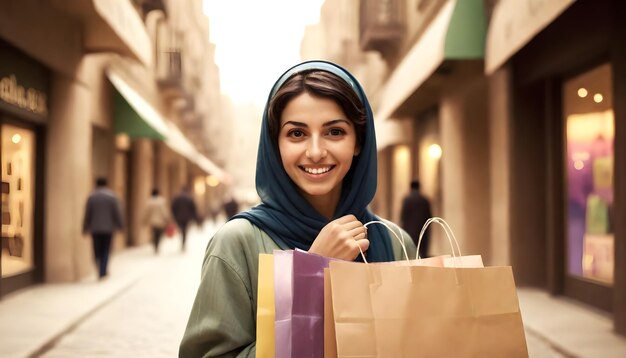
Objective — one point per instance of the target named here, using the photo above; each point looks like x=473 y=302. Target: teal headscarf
x=285 y=215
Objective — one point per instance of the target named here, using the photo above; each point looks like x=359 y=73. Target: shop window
x=18 y=189
x=588 y=110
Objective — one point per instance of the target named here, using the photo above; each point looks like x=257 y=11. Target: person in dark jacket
x=415 y=212
x=231 y=207
x=103 y=216
x=184 y=211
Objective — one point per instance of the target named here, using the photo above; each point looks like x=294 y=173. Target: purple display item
x=308 y=304
x=283 y=298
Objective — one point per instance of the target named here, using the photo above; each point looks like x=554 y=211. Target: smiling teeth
x=316 y=171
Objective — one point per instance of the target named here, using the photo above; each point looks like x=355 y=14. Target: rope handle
x=449 y=235
x=401 y=240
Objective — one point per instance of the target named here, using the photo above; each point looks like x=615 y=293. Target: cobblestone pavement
x=149 y=318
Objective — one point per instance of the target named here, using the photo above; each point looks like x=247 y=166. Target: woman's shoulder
x=236 y=228
x=238 y=235
x=234 y=233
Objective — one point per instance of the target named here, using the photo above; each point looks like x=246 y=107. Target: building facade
x=509 y=112
x=86 y=92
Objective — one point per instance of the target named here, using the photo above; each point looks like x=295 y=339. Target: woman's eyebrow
x=294 y=123
x=336 y=121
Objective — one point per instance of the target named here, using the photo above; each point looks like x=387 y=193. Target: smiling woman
x=317 y=152
x=316 y=175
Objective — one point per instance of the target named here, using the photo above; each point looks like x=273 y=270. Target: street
x=148 y=319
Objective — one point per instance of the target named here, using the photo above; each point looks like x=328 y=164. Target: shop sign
x=30 y=99
x=24 y=85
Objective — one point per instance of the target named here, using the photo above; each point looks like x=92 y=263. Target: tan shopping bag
x=400 y=310
x=265 y=308
x=330 y=344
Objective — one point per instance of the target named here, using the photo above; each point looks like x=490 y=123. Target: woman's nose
x=316 y=150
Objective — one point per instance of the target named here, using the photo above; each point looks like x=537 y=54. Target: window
x=18 y=191
x=588 y=110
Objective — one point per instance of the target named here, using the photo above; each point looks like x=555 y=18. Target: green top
x=222 y=322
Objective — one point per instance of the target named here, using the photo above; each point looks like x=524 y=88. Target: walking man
x=415 y=213
x=184 y=211
x=103 y=217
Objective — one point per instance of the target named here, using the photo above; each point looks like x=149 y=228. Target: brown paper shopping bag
x=391 y=310
x=265 y=308
x=401 y=311
x=330 y=344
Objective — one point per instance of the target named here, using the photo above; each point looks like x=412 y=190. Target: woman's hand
x=341 y=239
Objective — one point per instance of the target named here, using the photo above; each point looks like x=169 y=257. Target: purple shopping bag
x=308 y=304
x=299 y=302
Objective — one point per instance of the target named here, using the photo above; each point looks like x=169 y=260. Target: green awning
x=457 y=33
x=465 y=38
x=133 y=114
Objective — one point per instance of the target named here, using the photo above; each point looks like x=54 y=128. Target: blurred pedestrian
x=184 y=211
x=103 y=217
x=415 y=212
x=157 y=217
x=231 y=206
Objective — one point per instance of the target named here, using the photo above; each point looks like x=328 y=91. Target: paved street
x=147 y=319
x=538 y=347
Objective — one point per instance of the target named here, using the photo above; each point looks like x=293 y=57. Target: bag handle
x=449 y=235
x=401 y=240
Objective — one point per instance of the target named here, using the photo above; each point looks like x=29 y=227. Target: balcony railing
x=170 y=66
x=381 y=25
x=170 y=71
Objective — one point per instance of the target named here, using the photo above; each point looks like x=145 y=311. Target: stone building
x=126 y=90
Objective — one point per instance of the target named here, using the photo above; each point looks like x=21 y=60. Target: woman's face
x=317 y=143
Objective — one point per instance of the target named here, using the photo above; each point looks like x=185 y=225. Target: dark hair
x=415 y=184
x=322 y=84
x=101 y=181
x=155 y=192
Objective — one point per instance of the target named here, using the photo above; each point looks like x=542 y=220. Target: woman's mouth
x=317 y=170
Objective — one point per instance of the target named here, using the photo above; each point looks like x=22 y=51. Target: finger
x=355 y=224
x=364 y=244
x=360 y=236
x=358 y=247
x=346 y=219
x=357 y=231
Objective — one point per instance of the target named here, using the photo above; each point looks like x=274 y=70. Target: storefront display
x=590 y=133
x=18 y=158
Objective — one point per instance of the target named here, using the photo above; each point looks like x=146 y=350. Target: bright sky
x=256 y=41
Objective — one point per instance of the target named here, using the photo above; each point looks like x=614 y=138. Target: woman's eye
x=336 y=131
x=296 y=133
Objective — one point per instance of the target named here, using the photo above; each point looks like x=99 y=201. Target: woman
x=316 y=174
x=157 y=217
